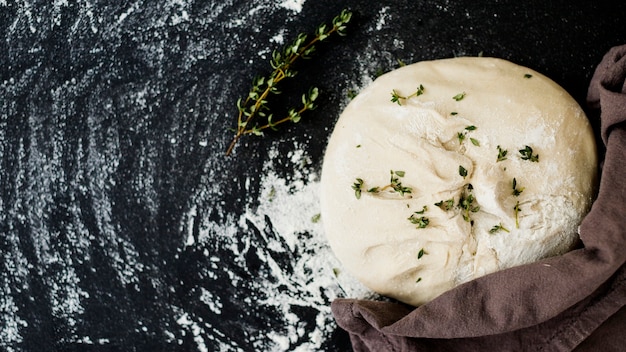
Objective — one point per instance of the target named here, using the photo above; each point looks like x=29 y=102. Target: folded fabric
x=571 y=302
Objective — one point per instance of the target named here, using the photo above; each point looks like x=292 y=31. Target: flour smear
x=289 y=206
x=300 y=275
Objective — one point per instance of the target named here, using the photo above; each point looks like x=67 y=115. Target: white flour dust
x=383 y=17
x=284 y=231
x=288 y=205
x=292 y=207
x=293 y=5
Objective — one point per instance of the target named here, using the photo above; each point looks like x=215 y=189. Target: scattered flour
x=196 y=330
x=383 y=17
x=292 y=207
x=293 y=5
x=278 y=38
x=289 y=205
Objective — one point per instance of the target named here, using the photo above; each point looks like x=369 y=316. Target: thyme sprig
x=421 y=221
x=467 y=203
x=254 y=105
x=394 y=184
x=418 y=218
x=358 y=187
x=397 y=98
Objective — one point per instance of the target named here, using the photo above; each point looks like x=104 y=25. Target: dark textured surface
x=123 y=225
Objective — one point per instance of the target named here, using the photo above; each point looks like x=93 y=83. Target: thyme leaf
x=424 y=209
x=459 y=96
x=517 y=209
x=517 y=191
x=445 y=205
x=501 y=154
x=394 y=184
x=461 y=135
x=462 y=171
x=527 y=154
x=420 y=221
x=357 y=187
x=373 y=190
x=498 y=228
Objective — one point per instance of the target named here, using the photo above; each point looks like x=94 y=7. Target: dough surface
x=413 y=198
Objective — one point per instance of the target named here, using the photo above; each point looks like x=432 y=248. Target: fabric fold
x=607 y=89
x=551 y=305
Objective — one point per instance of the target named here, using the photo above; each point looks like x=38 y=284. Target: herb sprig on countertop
x=255 y=104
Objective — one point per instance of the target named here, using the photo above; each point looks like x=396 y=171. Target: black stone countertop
x=124 y=227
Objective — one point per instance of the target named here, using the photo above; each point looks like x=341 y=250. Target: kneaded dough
x=425 y=147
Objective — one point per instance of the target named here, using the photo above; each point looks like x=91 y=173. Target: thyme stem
x=255 y=104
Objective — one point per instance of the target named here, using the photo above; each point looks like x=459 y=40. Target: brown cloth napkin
x=573 y=302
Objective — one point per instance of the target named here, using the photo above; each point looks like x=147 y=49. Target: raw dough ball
x=414 y=200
